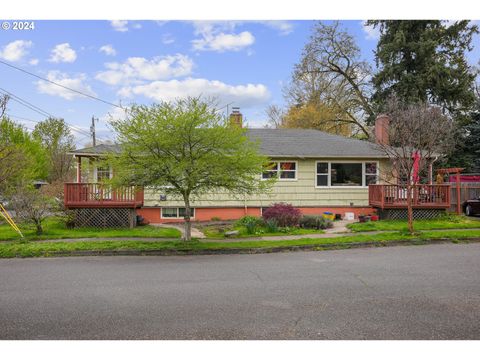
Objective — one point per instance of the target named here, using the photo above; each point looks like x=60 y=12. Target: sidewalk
x=234 y=240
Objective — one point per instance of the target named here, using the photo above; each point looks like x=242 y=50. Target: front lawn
x=36 y=249
x=218 y=231
x=54 y=228
x=450 y=222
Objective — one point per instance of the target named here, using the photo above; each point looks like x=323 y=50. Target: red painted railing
x=100 y=195
x=395 y=196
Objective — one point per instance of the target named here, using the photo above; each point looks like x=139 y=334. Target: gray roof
x=311 y=143
x=97 y=150
x=300 y=143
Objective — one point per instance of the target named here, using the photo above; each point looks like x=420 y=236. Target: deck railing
x=395 y=196
x=101 y=195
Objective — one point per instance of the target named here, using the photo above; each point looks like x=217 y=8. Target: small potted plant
x=361 y=218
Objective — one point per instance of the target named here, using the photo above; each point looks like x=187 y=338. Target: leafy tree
x=316 y=116
x=57 y=139
x=424 y=61
x=185 y=148
x=332 y=75
x=22 y=158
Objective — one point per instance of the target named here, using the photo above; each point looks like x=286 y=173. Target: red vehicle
x=472 y=207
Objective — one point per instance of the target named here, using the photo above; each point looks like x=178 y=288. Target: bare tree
x=32 y=205
x=3 y=105
x=416 y=133
x=275 y=116
x=331 y=71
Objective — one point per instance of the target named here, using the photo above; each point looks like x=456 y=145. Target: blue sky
x=241 y=62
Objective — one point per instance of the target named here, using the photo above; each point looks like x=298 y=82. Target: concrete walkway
x=196 y=233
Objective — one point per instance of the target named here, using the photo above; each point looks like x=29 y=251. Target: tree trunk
x=410 y=208
x=188 y=225
x=39 y=227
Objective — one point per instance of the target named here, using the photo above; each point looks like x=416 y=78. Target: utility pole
x=92 y=131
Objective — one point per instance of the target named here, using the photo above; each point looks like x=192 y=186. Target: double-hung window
x=281 y=170
x=346 y=174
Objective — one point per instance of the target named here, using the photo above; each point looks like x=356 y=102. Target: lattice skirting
x=418 y=214
x=105 y=218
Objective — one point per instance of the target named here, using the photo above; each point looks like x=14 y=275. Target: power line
x=41 y=111
x=79 y=131
x=62 y=86
x=26 y=103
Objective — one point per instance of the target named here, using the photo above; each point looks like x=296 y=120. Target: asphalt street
x=404 y=292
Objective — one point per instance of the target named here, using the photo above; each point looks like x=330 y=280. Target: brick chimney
x=236 y=117
x=381 y=129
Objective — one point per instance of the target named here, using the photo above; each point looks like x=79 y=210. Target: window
x=371 y=173
x=176 y=213
x=282 y=170
x=322 y=174
x=102 y=173
x=271 y=171
x=346 y=174
x=288 y=170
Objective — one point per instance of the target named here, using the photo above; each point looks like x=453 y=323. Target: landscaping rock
x=232 y=233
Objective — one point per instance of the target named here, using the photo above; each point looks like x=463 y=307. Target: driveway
x=414 y=292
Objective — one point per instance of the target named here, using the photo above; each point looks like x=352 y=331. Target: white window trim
x=95 y=177
x=175 y=207
x=278 y=171
x=329 y=174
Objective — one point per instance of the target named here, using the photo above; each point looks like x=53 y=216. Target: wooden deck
x=423 y=196
x=94 y=195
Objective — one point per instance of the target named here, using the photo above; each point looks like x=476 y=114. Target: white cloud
x=168 y=39
x=136 y=69
x=371 y=33
x=76 y=83
x=33 y=62
x=16 y=50
x=63 y=53
x=242 y=95
x=221 y=36
x=283 y=27
x=115 y=113
x=119 y=25
x=124 y=25
x=223 y=42
x=108 y=50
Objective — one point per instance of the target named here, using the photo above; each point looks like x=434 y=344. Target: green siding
x=300 y=192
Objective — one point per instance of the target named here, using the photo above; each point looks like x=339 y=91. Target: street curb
x=231 y=251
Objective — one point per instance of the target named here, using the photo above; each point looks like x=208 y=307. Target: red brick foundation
x=153 y=215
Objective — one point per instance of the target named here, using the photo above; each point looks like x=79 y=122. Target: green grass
x=450 y=222
x=54 y=228
x=35 y=249
x=218 y=232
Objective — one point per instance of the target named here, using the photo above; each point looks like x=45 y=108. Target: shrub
x=271 y=225
x=243 y=221
x=315 y=222
x=215 y=218
x=284 y=214
x=251 y=227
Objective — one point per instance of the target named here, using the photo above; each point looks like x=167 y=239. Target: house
x=314 y=171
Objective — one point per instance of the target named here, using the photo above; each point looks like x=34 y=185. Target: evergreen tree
x=424 y=61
